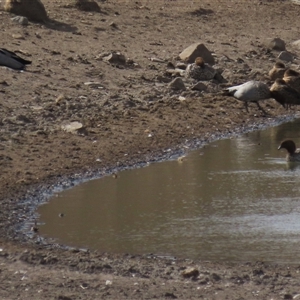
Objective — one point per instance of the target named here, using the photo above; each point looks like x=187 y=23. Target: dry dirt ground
x=129 y=117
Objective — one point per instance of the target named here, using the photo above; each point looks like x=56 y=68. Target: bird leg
x=246 y=106
x=260 y=108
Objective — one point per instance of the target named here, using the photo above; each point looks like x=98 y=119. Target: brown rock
x=177 y=84
x=286 y=56
x=199 y=86
x=195 y=50
x=34 y=10
x=276 y=44
x=87 y=5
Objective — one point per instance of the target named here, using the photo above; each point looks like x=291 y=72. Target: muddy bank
x=41 y=192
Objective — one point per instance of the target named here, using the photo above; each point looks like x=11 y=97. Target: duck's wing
x=253 y=91
x=293 y=82
x=9 y=62
x=230 y=91
x=14 y=56
x=290 y=95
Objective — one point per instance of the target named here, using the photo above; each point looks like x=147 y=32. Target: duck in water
x=293 y=154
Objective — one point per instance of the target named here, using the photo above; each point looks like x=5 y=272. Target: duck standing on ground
x=284 y=94
x=200 y=71
x=12 y=60
x=277 y=71
x=250 y=91
x=292 y=79
x=293 y=152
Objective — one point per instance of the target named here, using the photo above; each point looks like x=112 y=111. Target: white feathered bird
x=250 y=91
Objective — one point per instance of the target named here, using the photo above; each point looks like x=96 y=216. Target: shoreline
x=45 y=190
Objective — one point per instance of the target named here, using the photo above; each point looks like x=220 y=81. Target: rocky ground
x=128 y=115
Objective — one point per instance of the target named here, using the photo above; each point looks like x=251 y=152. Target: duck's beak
x=279 y=147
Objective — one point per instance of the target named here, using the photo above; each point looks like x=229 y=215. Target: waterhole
x=235 y=199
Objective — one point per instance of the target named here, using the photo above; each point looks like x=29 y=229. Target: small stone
x=94 y=85
x=87 y=5
x=18 y=36
x=190 y=272
x=177 y=84
x=216 y=277
x=197 y=50
x=113 y=24
x=220 y=78
x=296 y=44
x=115 y=58
x=276 y=44
x=108 y=282
x=199 y=86
x=60 y=98
x=175 y=72
x=181 y=65
x=20 y=20
x=286 y=56
x=72 y=127
x=170 y=295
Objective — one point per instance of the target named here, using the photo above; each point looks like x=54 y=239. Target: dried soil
x=130 y=116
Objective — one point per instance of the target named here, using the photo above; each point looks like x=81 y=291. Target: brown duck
x=277 y=71
x=199 y=70
x=292 y=79
x=284 y=94
x=293 y=152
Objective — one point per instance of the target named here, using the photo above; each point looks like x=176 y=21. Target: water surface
x=235 y=199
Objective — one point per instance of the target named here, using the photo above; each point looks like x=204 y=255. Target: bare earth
x=129 y=117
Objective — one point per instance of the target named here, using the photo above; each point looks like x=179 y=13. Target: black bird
x=12 y=60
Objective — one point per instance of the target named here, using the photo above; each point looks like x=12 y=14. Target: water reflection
x=234 y=199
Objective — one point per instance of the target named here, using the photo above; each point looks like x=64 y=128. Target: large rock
x=276 y=44
x=34 y=10
x=195 y=50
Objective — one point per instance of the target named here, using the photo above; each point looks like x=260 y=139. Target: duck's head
x=291 y=73
x=199 y=61
x=280 y=81
x=279 y=65
x=289 y=145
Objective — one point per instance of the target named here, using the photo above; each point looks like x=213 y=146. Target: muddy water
x=235 y=199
